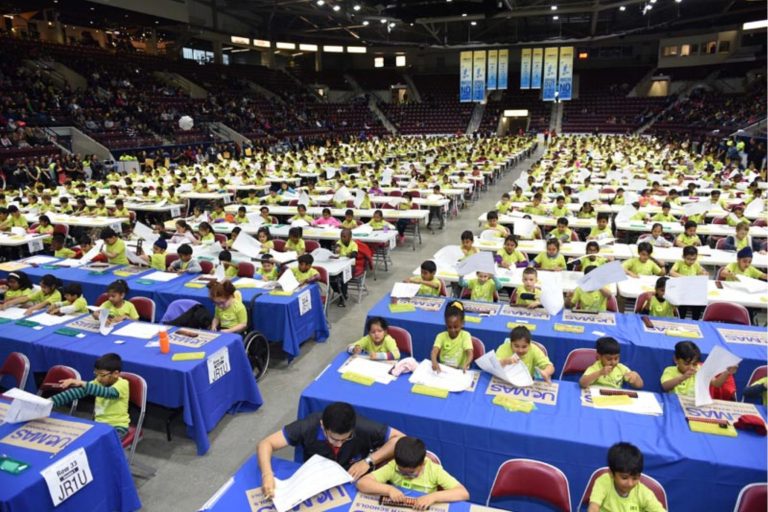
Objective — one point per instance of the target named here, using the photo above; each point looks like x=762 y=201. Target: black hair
x=205 y=225
x=690 y=224
x=662 y=282
x=592 y=244
x=44 y=218
x=603 y=216
x=184 y=250
x=467 y=235
x=657 y=224
x=688 y=351
x=644 y=247
x=225 y=255
x=429 y=266
x=59 y=238
x=107 y=233
x=607 y=346
x=666 y=204
x=376 y=320
x=349 y=212
x=410 y=452
x=690 y=251
x=492 y=215
x=520 y=333
x=625 y=458
x=560 y=198
x=72 y=289
x=511 y=238
x=51 y=281
x=339 y=418
x=23 y=279
x=562 y=220
x=118 y=286
x=236 y=230
x=554 y=241
x=295 y=231
x=455 y=308
x=265 y=231
x=307 y=259
x=84 y=239
x=109 y=362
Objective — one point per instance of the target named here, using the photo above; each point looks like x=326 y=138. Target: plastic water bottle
x=165 y=343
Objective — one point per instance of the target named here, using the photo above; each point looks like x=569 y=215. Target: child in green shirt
x=689 y=236
x=620 y=488
x=378 y=344
x=73 y=303
x=156 y=260
x=602 y=230
x=742 y=266
x=519 y=348
x=57 y=246
x=430 y=285
x=119 y=308
x=657 y=305
x=47 y=294
x=643 y=264
x=229 y=314
x=596 y=300
x=453 y=347
x=508 y=256
x=528 y=295
x=305 y=274
x=112 y=393
x=607 y=371
x=681 y=378
x=551 y=259
x=484 y=287
x=467 y=244
x=114 y=248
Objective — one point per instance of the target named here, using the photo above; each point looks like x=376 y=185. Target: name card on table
x=218 y=364
x=46 y=435
x=602 y=318
x=717 y=410
x=540 y=392
x=368 y=503
x=523 y=312
x=326 y=500
x=676 y=329
x=67 y=476
x=346 y=274
x=745 y=337
x=35 y=245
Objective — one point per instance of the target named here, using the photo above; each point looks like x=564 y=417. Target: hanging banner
x=549 y=84
x=503 y=69
x=465 y=78
x=478 y=76
x=493 y=60
x=565 y=80
x=538 y=54
x=525 y=69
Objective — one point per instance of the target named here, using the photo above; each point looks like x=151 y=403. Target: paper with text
x=313 y=477
x=718 y=361
x=516 y=374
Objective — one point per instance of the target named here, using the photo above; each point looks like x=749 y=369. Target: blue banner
x=549 y=84
x=525 y=69
x=503 y=69
x=565 y=76
x=465 y=77
x=538 y=54
x=478 y=78
x=493 y=60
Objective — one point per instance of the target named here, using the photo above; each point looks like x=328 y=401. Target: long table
x=112 y=487
x=646 y=352
x=232 y=495
x=171 y=384
x=473 y=437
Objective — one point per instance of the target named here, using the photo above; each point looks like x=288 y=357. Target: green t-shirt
x=592 y=301
x=64 y=253
x=640 y=498
x=114 y=411
x=117 y=248
x=511 y=259
x=431 y=478
x=38 y=296
x=481 y=291
x=558 y=211
x=127 y=309
x=649 y=268
x=615 y=379
x=303 y=276
x=453 y=351
x=660 y=309
x=157 y=261
x=297 y=246
x=231 y=316
x=79 y=306
x=535 y=210
x=388 y=344
x=682 y=268
x=750 y=271
x=429 y=290
x=546 y=263
x=688 y=240
x=346 y=250
x=685 y=388
x=534 y=359
x=519 y=301
x=599 y=234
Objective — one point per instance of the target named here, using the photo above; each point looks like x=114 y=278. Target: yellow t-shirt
x=640 y=498
x=119 y=248
x=64 y=253
x=431 y=478
x=38 y=296
x=268 y=276
x=750 y=271
x=649 y=268
x=428 y=290
x=114 y=411
x=303 y=276
x=157 y=261
x=511 y=259
x=660 y=309
x=560 y=211
x=615 y=379
x=547 y=263
x=681 y=267
x=346 y=250
x=688 y=240
x=79 y=306
x=12 y=294
x=599 y=234
x=297 y=246
x=519 y=301
x=685 y=388
x=453 y=350
x=231 y=316
x=534 y=359
x=388 y=344
x=481 y=291
x=127 y=309
x=592 y=301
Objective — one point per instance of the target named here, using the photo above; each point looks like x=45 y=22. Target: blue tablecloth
x=275 y=316
x=170 y=383
x=473 y=437
x=646 y=353
x=112 y=487
x=249 y=477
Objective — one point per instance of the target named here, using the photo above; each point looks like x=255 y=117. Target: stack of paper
x=139 y=330
x=159 y=276
x=13 y=313
x=46 y=319
x=26 y=406
x=405 y=290
x=645 y=403
x=516 y=374
x=316 y=475
x=362 y=366
x=452 y=379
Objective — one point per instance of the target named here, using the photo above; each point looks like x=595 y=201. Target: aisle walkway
x=185 y=481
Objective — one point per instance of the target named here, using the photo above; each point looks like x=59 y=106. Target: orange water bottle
x=165 y=343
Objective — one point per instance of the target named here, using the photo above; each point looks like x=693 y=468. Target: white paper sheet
x=687 y=291
x=316 y=475
x=645 y=403
x=304 y=198
x=69 y=262
x=283 y=257
x=134 y=258
x=452 y=379
x=343 y=194
x=141 y=330
x=26 y=406
x=13 y=313
x=48 y=320
x=247 y=245
x=718 y=361
x=522 y=181
x=490 y=234
x=404 y=290
x=696 y=208
x=625 y=213
x=95 y=250
x=220 y=273
x=479 y=262
x=321 y=255
x=362 y=229
x=104 y=329
x=755 y=208
x=448 y=256
x=145 y=232
x=363 y=366
x=288 y=281
x=298 y=223
x=603 y=275
x=359 y=198
x=254 y=219
x=248 y=282
x=750 y=284
x=516 y=374
x=589 y=195
x=551 y=292
x=40 y=260
x=159 y=276
x=524 y=227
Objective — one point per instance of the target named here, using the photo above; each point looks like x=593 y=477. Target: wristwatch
x=369 y=460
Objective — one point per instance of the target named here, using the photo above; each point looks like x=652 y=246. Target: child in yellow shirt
x=467 y=247
x=508 y=256
x=520 y=349
x=607 y=371
x=377 y=344
x=551 y=259
x=430 y=285
x=453 y=347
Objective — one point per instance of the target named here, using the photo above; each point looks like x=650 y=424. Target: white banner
x=465 y=77
x=538 y=55
x=493 y=62
x=478 y=75
x=565 y=80
x=549 y=85
x=503 y=69
x=525 y=69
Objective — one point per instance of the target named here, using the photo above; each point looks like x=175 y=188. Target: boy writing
x=607 y=371
x=430 y=285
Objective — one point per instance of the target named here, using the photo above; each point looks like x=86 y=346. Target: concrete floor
x=184 y=481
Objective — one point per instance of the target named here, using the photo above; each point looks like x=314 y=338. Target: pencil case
x=512 y=325
x=187 y=356
x=677 y=333
x=356 y=377
x=67 y=331
x=513 y=405
x=473 y=319
x=145 y=281
x=401 y=308
x=281 y=292
x=611 y=400
x=26 y=323
x=421 y=389
x=578 y=329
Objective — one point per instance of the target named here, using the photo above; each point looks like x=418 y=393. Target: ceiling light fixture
x=553 y=8
x=463 y=15
x=623 y=8
x=357 y=8
x=555 y=18
x=383 y=20
x=337 y=8
x=366 y=23
x=392 y=25
x=320 y=3
x=473 y=23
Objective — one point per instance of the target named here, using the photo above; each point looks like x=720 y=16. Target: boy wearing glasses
x=111 y=392
x=357 y=444
x=412 y=470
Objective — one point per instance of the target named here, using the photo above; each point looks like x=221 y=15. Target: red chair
x=757 y=374
x=402 y=338
x=145 y=307
x=137 y=398
x=279 y=244
x=170 y=258
x=53 y=376
x=720 y=244
x=719 y=274
x=326 y=292
x=612 y=305
x=533 y=479
x=311 y=245
x=648 y=481
x=752 y=498
x=443 y=289
x=542 y=347
x=62 y=229
x=245 y=269
x=206 y=265
x=760 y=223
x=221 y=238
x=363 y=263
x=16 y=365
x=577 y=361
x=478 y=348
x=101 y=299
x=726 y=312
x=434 y=458
x=641 y=303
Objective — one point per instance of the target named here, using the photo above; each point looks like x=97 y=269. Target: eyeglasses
x=100 y=374
x=335 y=440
